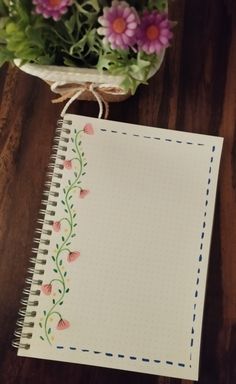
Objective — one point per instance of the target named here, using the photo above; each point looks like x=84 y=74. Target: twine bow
x=72 y=92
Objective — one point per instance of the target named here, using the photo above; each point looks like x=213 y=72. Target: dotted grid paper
x=137 y=290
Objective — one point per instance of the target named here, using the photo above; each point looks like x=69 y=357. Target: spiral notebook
x=121 y=249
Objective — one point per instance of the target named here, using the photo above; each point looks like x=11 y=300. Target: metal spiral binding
x=41 y=240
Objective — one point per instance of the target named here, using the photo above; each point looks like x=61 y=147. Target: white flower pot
x=63 y=80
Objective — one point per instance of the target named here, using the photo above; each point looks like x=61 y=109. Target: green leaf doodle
x=56 y=289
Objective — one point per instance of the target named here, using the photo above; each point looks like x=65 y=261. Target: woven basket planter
x=65 y=80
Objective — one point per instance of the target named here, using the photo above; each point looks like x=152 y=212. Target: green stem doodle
x=64 y=246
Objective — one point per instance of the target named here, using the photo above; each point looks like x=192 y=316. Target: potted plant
x=115 y=45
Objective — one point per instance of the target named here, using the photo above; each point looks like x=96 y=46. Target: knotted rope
x=74 y=91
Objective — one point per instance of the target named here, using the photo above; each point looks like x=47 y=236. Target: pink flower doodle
x=83 y=193
x=88 y=129
x=47 y=289
x=72 y=256
x=56 y=226
x=67 y=164
x=63 y=324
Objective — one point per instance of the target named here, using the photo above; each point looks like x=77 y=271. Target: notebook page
x=125 y=274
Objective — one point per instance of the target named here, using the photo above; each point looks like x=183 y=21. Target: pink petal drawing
x=88 y=129
x=67 y=164
x=63 y=324
x=56 y=226
x=72 y=256
x=46 y=289
x=83 y=193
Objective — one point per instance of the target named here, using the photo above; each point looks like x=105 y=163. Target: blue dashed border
x=200 y=258
x=151 y=137
x=120 y=356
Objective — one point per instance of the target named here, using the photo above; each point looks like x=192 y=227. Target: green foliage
x=3 y=8
x=71 y=41
x=134 y=67
x=161 y=5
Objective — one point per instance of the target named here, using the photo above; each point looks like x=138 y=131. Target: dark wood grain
x=195 y=90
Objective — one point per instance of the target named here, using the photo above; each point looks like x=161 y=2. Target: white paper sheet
x=144 y=211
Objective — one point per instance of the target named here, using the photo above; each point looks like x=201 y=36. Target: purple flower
x=119 y=25
x=52 y=8
x=154 y=32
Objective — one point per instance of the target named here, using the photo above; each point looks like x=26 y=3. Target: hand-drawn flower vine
x=57 y=288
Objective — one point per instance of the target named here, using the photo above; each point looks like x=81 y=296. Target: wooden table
x=194 y=91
